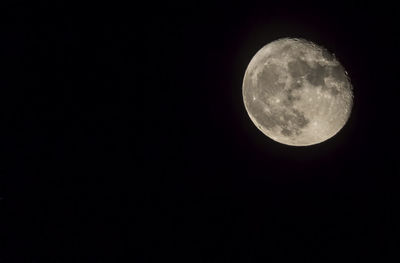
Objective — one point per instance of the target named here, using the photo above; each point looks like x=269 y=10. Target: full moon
x=296 y=92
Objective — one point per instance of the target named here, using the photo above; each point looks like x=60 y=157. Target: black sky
x=124 y=136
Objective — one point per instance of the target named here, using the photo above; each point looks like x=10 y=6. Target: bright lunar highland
x=296 y=92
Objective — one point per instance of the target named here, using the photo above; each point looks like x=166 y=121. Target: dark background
x=124 y=136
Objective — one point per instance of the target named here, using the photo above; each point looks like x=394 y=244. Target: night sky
x=124 y=136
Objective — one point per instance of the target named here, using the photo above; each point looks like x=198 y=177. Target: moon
x=296 y=92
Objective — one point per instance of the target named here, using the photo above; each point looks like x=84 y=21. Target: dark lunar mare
x=267 y=81
x=315 y=75
x=290 y=98
x=298 y=68
x=297 y=119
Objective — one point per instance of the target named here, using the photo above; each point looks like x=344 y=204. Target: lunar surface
x=296 y=92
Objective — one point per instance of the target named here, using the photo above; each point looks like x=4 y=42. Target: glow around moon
x=296 y=92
